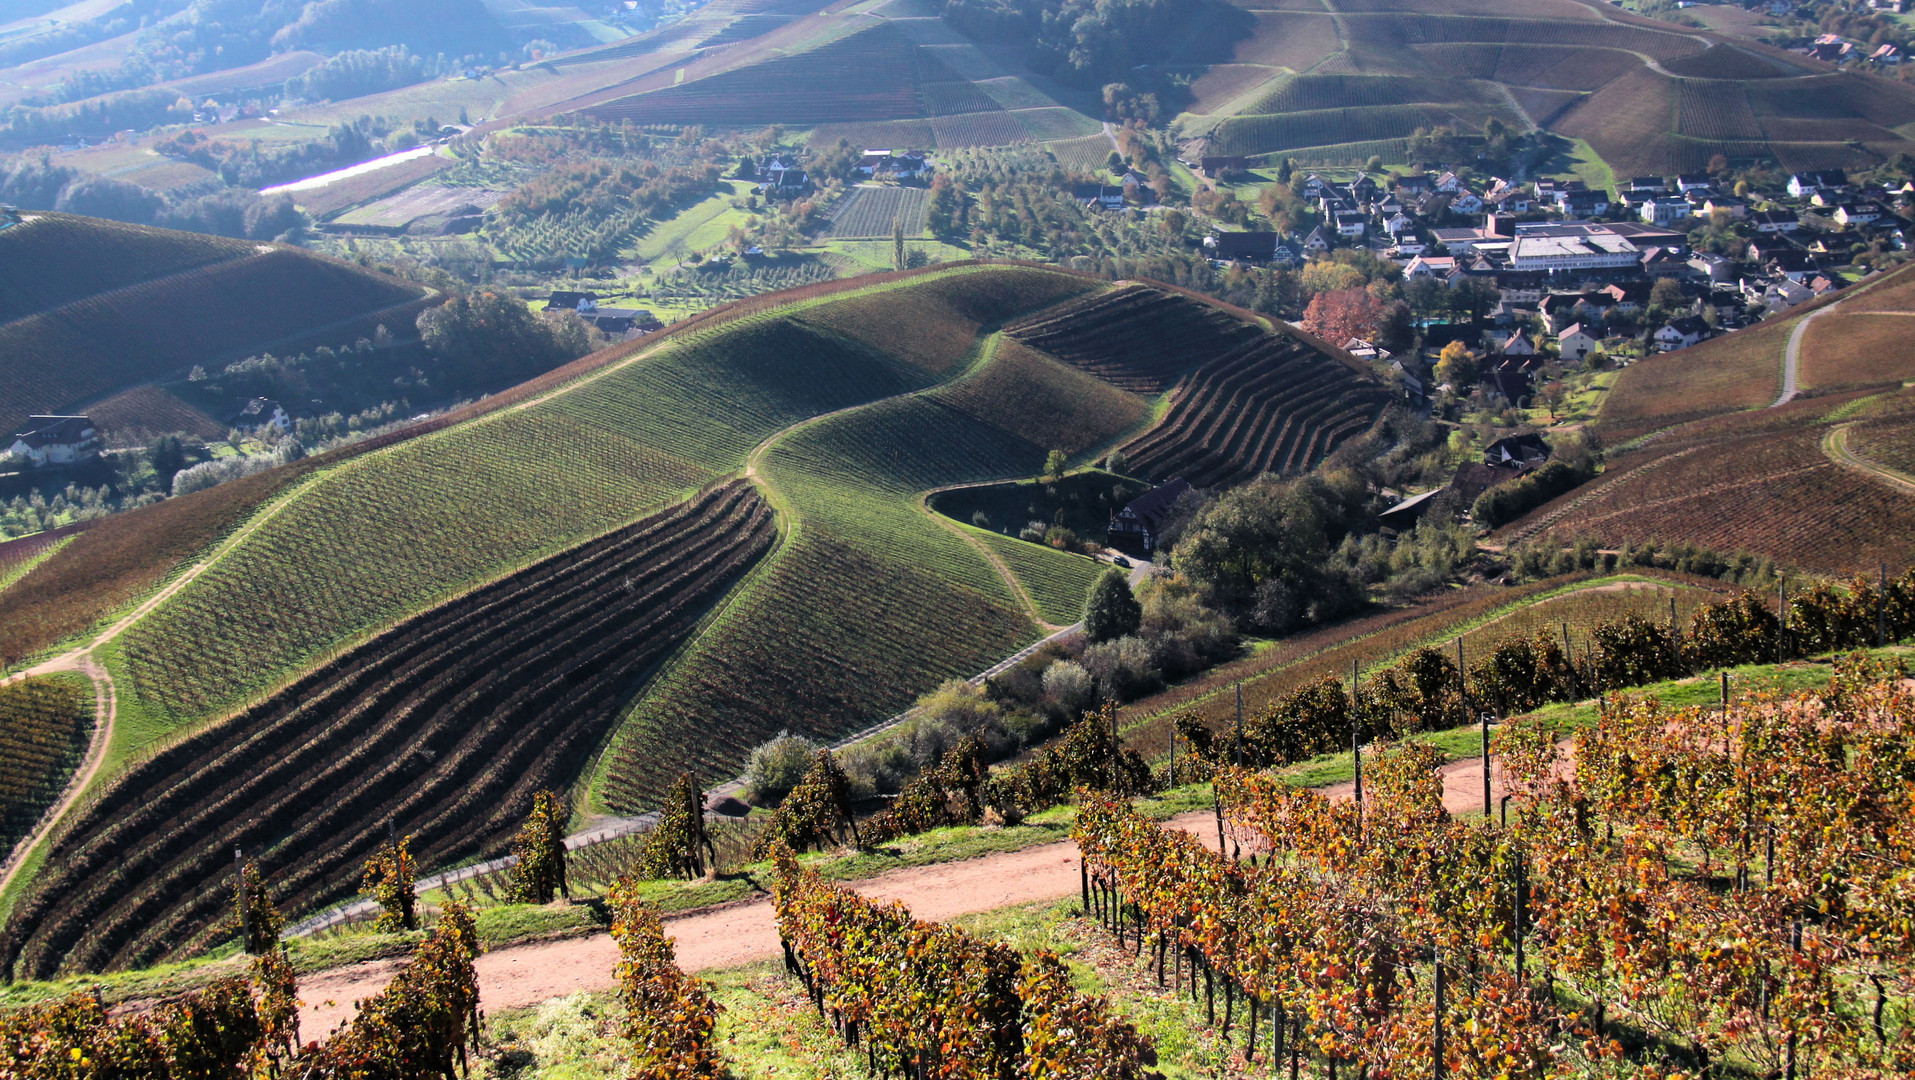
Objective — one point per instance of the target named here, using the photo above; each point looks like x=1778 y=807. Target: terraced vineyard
x=832 y=636
x=44 y=723
x=385 y=535
x=1272 y=404
x=1138 y=338
x=101 y=343
x=442 y=727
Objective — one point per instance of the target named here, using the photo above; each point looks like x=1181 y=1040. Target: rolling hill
x=315 y=641
x=90 y=308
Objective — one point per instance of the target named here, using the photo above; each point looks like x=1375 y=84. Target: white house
x=1660 y=211
x=1807 y=183
x=1576 y=343
x=57 y=440
x=1681 y=333
x=264 y=412
x=1517 y=344
x=1352 y=223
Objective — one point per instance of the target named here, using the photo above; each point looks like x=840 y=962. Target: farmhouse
x=1136 y=527
x=1525 y=451
x=57 y=440
x=262 y=412
x=1775 y=221
x=1681 y=333
x=1576 y=342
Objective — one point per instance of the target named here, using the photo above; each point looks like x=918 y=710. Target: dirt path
x=106 y=695
x=1836 y=445
x=725 y=937
x=525 y=975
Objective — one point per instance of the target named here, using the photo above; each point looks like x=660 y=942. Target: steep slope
x=1246 y=400
x=94 y=307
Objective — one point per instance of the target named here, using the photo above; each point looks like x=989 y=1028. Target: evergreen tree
x=1112 y=611
x=897 y=243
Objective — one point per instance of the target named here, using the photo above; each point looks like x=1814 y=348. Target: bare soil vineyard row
x=1272 y=405
x=442 y=727
x=1139 y=339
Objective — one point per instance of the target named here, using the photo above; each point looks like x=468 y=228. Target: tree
x=897 y=243
x=1338 y=316
x=1552 y=397
x=1456 y=366
x=1117 y=462
x=1054 y=464
x=1665 y=299
x=388 y=880
x=259 y=921
x=540 y=847
x=1112 y=612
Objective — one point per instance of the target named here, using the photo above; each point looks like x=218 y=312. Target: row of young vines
x=1700 y=890
x=925 y=1000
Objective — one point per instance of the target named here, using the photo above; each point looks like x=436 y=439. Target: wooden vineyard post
x=1673 y=626
x=1173 y=753
x=1436 y=1043
x=1356 y=737
x=1522 y=907
x=1487 y=806
x=1569 y=657
x=245 y=902
x=1782 y=620
x=1881 y=610
x=1240 y=724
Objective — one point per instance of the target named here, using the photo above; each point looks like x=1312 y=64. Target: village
x=1577 y=274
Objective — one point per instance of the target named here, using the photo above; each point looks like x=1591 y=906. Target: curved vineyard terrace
x=442 y=727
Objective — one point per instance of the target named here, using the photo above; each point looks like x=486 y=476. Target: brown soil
x=526 y=975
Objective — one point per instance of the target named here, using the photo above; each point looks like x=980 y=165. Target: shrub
x=775 y=767
x=1505 y=503
x=1123 y=668
x=1073 y=688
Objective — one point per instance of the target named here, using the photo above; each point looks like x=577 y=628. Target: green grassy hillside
x=874 y=600
x=385 y=535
